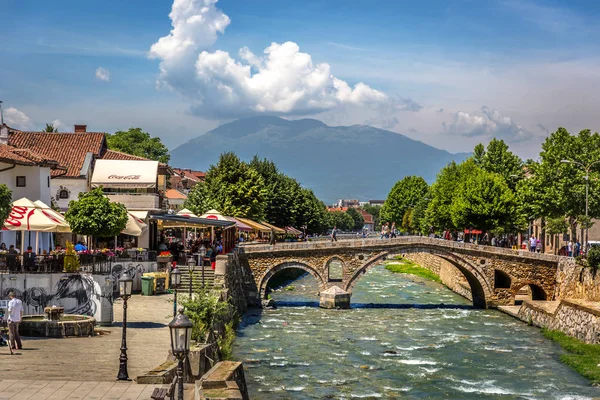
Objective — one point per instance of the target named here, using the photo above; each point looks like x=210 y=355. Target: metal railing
x=47 y=264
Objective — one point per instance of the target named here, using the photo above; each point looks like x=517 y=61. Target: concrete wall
x=85 y=294
x=36 y=182
x=73 y=185
x=79 y=293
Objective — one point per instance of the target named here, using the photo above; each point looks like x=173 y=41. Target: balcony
x=137 y=201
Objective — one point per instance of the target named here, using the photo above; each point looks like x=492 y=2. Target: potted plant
x=164 y=257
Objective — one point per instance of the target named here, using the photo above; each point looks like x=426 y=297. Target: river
x=405 y=338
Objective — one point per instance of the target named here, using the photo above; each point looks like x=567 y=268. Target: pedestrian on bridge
x=334 y=234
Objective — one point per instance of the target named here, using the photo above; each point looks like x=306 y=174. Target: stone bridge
x=494 y=274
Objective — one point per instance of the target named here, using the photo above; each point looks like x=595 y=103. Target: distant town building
x=369 y=221
x=348 y=203
x=376 y=202
x=184 y=179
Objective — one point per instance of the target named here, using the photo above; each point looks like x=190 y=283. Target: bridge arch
x=297 y=264
x=537 y=292
x=481 y=289
x=337 y=276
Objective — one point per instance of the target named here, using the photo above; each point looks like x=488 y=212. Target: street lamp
x=587 y=184
x=191 y=263
x=175 y=281
x=181 y=333
x=125 y=286
x=201 y=254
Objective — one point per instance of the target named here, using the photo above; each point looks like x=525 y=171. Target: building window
x=63 y=194
x=21 y=181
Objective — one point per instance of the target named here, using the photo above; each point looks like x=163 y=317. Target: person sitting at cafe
x=80 y=246
x=29 y=259
x=11 y=258
x=162 y=246
x=2 y=246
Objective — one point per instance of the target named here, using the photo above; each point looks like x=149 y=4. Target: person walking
x=15 y=313
x=393 y=230
x=334 y=234
x=538 y=246
x=570 y=249
x=272 y=241
x=532 y=243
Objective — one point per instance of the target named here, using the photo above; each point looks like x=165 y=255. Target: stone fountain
x=54 y=323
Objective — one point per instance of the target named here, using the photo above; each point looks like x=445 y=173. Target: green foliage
x=205 y=310
x=483 y=200
x=593 y=257
x=556 y=226
x=199 y=199
x=343 y=221
x=71 y=261
x=94 y=214
x=236 y=189
x=405 y=193
x=5 y=203
x=50 y=128
x=225 y=342
x=442 y=195
x=580 y=356
x=498 y=159
x=138 y=143
x=359 y=220
x=404 y=266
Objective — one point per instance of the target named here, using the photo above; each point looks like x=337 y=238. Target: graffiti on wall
x=117 y=270
x=77 y=293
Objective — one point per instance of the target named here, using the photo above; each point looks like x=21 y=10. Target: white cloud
x=57 y=124
x=487 y=123
x=281 y=81
x=17 y=119
x=102 y=74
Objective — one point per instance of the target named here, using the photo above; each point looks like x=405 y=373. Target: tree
x=50 y=128
x=343 y=221
x=5 y=203
x=442 y=195
x=405 y=193
x=561 y=186
x=312 y=212
x=138 y=143
x=498 y=159
x=359 y=220
x=235 y=188
x=93 y=214
x=199 y=199
x=483 y=200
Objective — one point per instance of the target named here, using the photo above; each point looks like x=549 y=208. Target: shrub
x=593 y=257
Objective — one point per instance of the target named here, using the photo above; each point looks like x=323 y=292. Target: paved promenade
x=79 y=364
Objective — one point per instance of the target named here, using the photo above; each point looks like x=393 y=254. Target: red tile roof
x=68 y=149
x=190 y=174
x=19 y=156
x=174 y=194
x=366 y=216
x=119 y=155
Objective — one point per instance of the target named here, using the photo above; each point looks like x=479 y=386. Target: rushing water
x=405 y=338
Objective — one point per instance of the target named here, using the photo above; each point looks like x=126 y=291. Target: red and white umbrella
x=135 y=226
x=25 y=215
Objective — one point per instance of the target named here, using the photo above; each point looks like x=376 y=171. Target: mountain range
x=350 y=162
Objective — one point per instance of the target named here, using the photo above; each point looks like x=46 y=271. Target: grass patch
x=404 y=266
x=583 y=358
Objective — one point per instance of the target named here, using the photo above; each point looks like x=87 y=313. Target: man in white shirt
x=15 y=312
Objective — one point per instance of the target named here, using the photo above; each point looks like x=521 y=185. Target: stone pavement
x=61 y=389
x=94 y=359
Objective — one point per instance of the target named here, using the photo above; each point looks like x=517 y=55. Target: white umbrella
x=135 y=226
x=187 y=213
x=214 y=214
x=28 y=216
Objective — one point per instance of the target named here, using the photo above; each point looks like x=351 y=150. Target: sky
x=449 y=73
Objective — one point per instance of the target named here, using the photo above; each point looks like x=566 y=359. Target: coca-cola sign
x=124 y=177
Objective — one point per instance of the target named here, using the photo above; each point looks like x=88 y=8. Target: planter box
x=164 y=259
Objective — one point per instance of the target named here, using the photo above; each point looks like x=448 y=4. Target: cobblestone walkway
x=95 y=359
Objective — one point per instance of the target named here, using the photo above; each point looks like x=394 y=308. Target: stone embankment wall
x=576 y=282
x=576 y=318
x=448 y=273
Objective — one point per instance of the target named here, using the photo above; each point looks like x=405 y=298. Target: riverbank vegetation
x=403 y=266
x=582 y=357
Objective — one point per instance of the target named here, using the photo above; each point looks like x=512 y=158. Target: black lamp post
x=125 y=286
x=175 y=281
x=191 y=263
x=201 y=255
x=181 y=333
